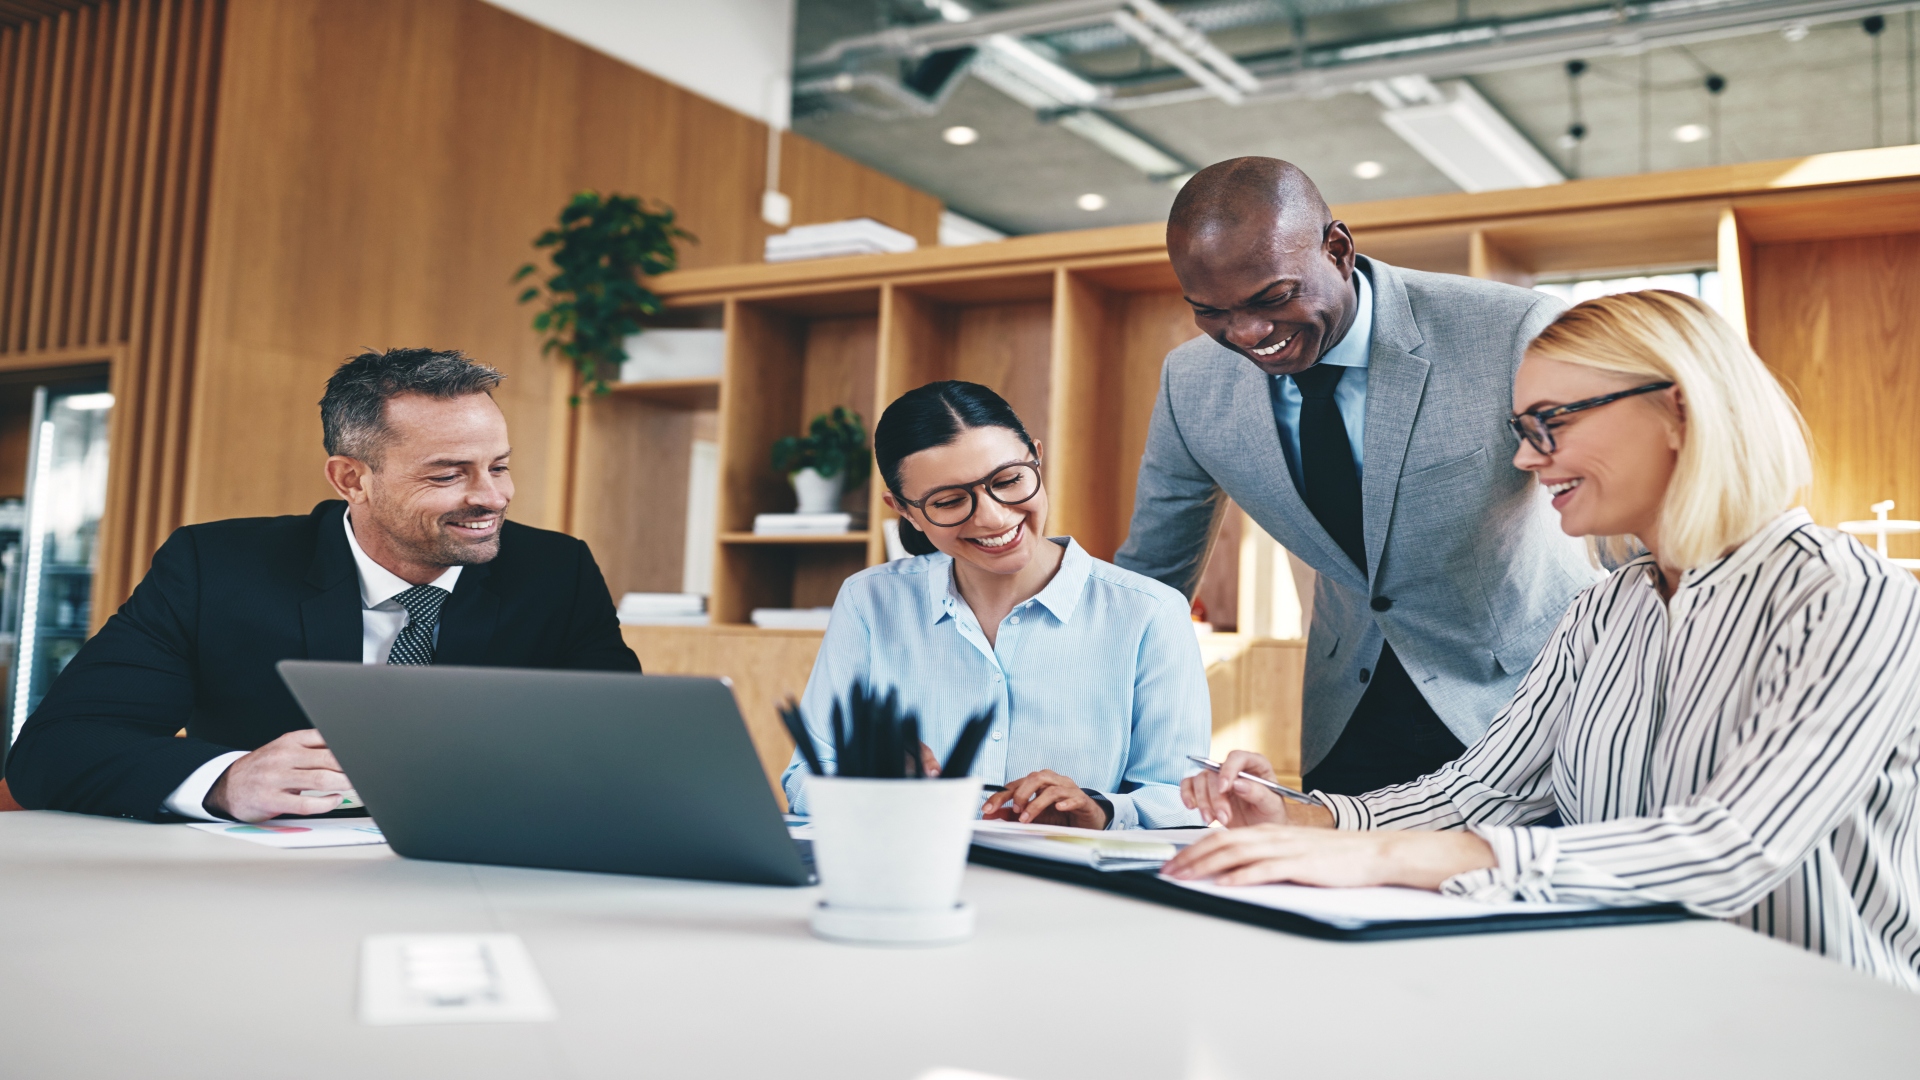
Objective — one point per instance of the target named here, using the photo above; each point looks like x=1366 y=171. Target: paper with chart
x=298 y=832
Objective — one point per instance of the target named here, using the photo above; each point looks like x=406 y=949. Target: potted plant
x=822 y=464
x=602 y=249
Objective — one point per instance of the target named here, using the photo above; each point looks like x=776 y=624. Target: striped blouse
x=1750 y=749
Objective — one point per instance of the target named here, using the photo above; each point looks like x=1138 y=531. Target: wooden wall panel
x=825 y=188
x=382 y=169
x=105 y=136
x=1839 y=320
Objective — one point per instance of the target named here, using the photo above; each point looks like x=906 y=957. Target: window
x=1704 y=284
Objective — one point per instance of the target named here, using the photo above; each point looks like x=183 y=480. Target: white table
x=161 y=951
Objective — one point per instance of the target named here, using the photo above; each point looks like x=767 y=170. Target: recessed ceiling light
x=961 y=135
x=1369 y=170
x=1091 y=201
x=1689 y=133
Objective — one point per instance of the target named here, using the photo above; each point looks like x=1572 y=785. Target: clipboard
x=1149 y=886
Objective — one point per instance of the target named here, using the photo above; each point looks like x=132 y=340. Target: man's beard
x=438 y=548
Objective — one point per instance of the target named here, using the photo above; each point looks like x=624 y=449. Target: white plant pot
x=818 y=494
x=891 y=854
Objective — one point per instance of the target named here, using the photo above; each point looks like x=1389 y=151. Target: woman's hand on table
x=1233 y=802
x=1045 y=798
x=1262 y=854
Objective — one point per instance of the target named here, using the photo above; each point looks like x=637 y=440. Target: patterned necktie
x=415 y=643
x=1326 y=461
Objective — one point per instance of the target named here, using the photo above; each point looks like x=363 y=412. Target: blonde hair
x=1744 y=458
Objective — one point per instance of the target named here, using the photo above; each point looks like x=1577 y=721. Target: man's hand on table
x=268 y=782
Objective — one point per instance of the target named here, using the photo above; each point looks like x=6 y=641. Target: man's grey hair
x=353 y=412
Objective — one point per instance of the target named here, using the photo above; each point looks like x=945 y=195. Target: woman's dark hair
x=935 y=415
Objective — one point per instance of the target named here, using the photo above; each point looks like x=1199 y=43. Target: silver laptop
x=569 y=770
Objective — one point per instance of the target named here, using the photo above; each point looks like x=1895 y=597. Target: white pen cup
x=890 y=855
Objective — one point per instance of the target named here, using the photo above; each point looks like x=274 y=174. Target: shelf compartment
x=780 y=575
x=677 y=393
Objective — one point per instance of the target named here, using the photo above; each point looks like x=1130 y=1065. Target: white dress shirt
x=381 y=620
x=1750 y=748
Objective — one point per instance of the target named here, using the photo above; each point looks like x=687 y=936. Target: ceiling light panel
x=1467 y=139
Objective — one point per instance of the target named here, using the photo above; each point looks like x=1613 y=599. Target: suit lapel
x=330 y=618
x=1396 y=380
x=468 y=619
x=1293 y=525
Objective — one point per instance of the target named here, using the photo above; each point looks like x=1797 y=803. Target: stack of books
x=672 y=353
x=663 y=609
x=802 y=524
x=767 y=618
x=859 y=236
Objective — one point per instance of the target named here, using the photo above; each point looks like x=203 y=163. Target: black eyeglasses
x=1008 y=485
x=1532 y=425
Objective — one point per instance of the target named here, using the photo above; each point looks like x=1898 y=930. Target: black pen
x=1278 y=789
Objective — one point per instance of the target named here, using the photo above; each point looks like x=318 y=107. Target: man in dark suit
x=415 y=564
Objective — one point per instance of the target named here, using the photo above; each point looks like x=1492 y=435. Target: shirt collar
x=1352 y=350
x=1750 y=551
x=379 y=584
x=1061 y=595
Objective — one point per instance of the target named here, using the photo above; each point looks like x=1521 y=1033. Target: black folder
x=1147 y=885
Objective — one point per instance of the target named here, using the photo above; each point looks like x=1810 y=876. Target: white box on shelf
x=857 y=236
x=802 y=524
x=791 y=618
x=663 y=609
x=673 y=353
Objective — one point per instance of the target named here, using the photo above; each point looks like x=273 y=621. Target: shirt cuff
x=1523 y=869
x=187 y=800
x=1348 y=812
x=1125 y=814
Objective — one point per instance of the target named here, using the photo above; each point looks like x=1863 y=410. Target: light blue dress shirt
x=1098 y=677
x=1350 y=394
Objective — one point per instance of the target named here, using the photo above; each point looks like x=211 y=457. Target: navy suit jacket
x=195 y=648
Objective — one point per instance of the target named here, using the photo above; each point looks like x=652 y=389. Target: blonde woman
x=1730 y=721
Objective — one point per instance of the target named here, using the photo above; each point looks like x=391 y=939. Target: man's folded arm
x=593 y=626
x=102 y=740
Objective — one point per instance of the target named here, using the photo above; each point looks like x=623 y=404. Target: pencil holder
x=890 y=854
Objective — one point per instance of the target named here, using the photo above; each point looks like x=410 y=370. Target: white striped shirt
x=1750 y=749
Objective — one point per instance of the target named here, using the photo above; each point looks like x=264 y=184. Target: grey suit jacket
x=1463 y=549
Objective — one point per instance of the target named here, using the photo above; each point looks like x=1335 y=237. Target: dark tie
x=415 y=643
x=1332 y=484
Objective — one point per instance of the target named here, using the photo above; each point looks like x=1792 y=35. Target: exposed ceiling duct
x=1028 y=53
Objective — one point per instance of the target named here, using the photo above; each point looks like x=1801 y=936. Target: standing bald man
x=1357 y=412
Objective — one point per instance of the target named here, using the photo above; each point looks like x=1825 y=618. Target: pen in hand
x=1278 y=789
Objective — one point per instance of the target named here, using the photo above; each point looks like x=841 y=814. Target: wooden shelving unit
x=1072 y=328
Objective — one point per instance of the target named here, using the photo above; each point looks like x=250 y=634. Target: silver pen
x=1278 y=789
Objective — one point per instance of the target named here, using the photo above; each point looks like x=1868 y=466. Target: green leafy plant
x=835 y=442
x=601 y=250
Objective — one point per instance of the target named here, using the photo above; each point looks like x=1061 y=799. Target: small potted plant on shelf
x=825 y=462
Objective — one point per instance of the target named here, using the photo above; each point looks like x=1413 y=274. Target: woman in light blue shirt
x=1092 y=673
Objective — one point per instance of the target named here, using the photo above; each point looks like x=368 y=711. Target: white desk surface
x=162 y=951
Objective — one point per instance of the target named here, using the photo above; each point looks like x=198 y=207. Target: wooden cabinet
x=1819 y=256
